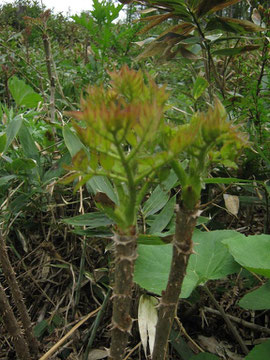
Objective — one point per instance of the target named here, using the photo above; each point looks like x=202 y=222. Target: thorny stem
x=17 y=296
x=13 y=328
x=125 y=256
x=182 y=249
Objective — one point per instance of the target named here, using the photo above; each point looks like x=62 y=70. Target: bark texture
x=125 y=256
x=182 y=249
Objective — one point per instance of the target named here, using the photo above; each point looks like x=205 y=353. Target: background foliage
x=59 y=240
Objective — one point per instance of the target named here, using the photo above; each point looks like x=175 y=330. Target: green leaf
x=260 y=352
x=200 y=85
x=28 y=144
x=22 y=93
x=258 y=299
x=73 y=143
x=164 y=217
x=252 y=252
x=102 y=184
x=145 y=239
x=12 y=129
x=160 y=195
x=91 y=220
x=6 y=179
x=3 y=141
x=204 y=356
x=210 y=261
x=22 y=164
x=152 y=267
x=157 y=201
x=180 y=346
x=226 y=181
x=41 y=328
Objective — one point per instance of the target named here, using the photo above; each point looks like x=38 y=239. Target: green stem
x=180 y=172
x=130 y=212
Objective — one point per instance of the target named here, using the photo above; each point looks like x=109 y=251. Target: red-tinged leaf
x=155 y=48
x=232 y=25
x=80 y=161
x=187 y=54
x=206 y=6
x=236 y=51
x=68 y=178
x=181 y=29
x=156 y=20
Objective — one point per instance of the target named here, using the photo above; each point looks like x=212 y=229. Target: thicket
x=134 y=172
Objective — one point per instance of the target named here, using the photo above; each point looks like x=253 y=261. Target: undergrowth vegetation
x=134 y=181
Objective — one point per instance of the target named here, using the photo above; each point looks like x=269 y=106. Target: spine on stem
x=182 y=249
x=125 y=256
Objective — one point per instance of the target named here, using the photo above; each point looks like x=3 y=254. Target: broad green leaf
x=252 y=252
x=6 y=179
x=12 y=129
x=152 y=267
x=157 y=201
x=3 y=141
x=73 y=143
x=28 y=144
x=200 y=85
x=164 y=217
x=20 y=202
x=260 y=352
x=204 y=356
x=22 y=164
x=258 y=299
x=91 y=220
x=160 y=195
x=145 y=239
x=211 y=260
x=103 y=184
x=22 y=93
